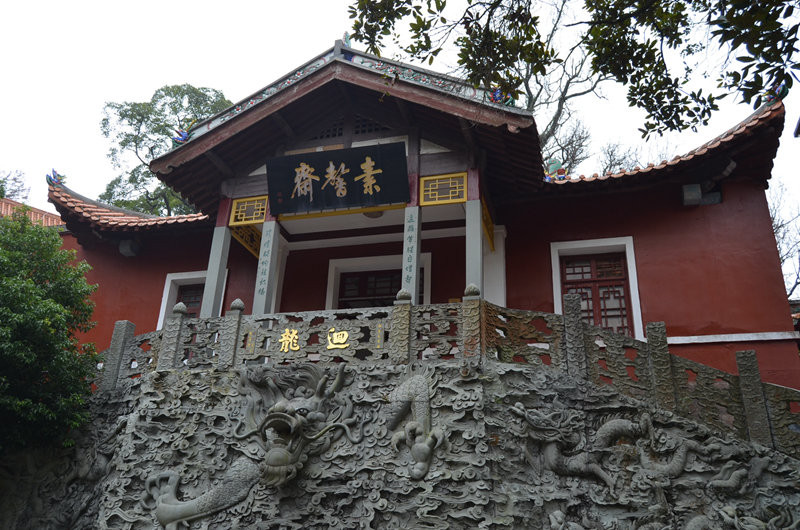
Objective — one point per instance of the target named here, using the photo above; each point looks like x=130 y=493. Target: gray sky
x=61 y=61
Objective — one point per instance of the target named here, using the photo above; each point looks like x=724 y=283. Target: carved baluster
x=114 y=356
x=229 y=336
x=400 y=333
x=573 y=335
x=472 y=350
x=755 y=406
x=171 y=341
x=660 y=366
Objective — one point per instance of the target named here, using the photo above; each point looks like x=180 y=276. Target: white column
x=494 y=271
x=411 y=239
x=474 y=244
x=215 y=277
x=266 y=276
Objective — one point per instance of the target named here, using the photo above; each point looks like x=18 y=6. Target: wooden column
x=474 y=244
x=215 y=273
x=217 y=269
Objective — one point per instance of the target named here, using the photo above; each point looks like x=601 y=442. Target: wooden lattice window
x=602 y=282
x=248 y=211
x=443 y=189
x=371 y=288
x=192 y=297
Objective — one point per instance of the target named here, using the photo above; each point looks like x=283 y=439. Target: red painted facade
x=707 y=271
x=704 y=270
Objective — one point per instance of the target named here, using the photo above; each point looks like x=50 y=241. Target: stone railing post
x=171 y=338
x=122 y=337
x=755 y=406
x=660 y=366
x=472 y=351
x=229 y=336
x=575 y=355
x=400 y=334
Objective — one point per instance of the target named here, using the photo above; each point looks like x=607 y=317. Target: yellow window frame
x=239 y=215
x=451 y=198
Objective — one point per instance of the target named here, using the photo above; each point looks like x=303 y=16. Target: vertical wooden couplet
x=755 y=406
x=266 y=275
x=123 y=335
x=573 y=336
x=660 y=366
x=171 y=347
x=410 y=263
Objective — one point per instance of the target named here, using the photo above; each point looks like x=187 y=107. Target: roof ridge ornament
x=55 y=178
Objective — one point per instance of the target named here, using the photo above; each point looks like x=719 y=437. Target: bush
x=45 y=374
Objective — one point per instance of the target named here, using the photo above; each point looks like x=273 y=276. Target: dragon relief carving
x=290 y=414
x=413 y=396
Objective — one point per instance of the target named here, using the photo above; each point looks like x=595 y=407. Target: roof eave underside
x=508 y=138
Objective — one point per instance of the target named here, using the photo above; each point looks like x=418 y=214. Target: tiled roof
x=764 y=116
x=391 y=69
x=7 y=207
x=75 y=208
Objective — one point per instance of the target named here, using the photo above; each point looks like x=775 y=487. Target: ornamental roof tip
x=340 y=52
x=766 y=113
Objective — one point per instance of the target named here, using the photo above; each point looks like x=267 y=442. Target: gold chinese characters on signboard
x=337 y=340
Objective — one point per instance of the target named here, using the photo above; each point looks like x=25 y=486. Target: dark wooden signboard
x=345 y=178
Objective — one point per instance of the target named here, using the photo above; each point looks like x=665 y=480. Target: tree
x=44 y=299
x=12 y=185
x=142 y=131
x=786 y=227
x=651 y=46
x=615 y=157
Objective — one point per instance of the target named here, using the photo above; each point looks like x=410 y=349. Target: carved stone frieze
x=371 y=445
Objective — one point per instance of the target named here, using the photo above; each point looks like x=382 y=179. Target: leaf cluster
x=45 y=375
x=646 y=45
x=142 y=131
x=12 y=185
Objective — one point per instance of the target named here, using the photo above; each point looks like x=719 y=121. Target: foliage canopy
x=44 y=300
x=142 y=131
x=651 y=46
x=12 y=185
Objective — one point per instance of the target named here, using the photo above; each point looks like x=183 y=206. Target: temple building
x=355 y=177
x=387 y=314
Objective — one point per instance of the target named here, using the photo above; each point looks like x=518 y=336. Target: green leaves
x=45 y=374
x=142 y=131
x=635 y=42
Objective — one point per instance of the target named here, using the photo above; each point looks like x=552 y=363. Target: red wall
x=131 y=288
x=703 y=270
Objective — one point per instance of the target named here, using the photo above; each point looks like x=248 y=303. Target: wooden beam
x=283 y=124
x=219 y=163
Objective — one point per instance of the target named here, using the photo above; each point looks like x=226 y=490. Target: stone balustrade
x=471 y=333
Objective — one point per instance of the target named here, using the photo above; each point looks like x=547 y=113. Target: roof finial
x=55 y=179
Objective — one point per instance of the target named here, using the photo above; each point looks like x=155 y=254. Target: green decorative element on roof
x=55 y=178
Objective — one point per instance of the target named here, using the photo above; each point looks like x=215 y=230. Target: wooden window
x=248 y=211
x=602 y=282
x=192 y=297
x=371 y=288
x=443 y=189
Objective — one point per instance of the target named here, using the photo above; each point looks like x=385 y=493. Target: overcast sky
x=61 y=61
